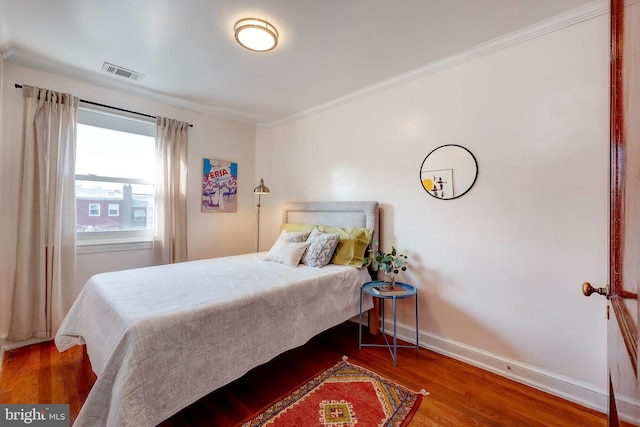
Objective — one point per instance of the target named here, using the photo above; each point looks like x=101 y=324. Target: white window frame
x=93 y=206
x=107 y=241
x=135 y=217
x=115 y=207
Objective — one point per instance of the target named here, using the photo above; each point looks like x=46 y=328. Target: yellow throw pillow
x=293 y=228
x=351 y=246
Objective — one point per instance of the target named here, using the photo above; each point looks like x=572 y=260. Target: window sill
x=94 y=247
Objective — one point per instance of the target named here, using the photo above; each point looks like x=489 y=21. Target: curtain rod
x=19 y=86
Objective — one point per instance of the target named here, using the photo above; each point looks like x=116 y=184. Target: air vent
x=122 y=72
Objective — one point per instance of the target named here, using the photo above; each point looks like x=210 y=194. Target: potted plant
x=389 y=263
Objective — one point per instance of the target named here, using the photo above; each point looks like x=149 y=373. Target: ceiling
x=328 y=49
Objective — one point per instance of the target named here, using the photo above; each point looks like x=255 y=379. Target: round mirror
x=448 y=172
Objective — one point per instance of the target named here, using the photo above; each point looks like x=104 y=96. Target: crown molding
x=556 y=23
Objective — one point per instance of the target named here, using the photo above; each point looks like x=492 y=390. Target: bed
x=160 y=338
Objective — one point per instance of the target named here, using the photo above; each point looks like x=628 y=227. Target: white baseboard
x=567 y=388
x=12 y=345
x=626 y=409
x=6 y=345
x=3 y=338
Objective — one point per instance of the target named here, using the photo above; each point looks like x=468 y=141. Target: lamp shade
x=261 y=188
x=256 y=34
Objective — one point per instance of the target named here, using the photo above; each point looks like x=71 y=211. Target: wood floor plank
x=460 y=395
x=44 y=375
x=57 y=386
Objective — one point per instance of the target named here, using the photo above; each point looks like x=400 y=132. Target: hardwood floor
x=460 y=395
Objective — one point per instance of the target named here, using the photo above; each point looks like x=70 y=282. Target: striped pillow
x=321 y=248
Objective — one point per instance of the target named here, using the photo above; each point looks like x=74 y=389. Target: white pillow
x=286 y=252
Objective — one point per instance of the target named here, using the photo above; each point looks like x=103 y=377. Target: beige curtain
x=45 y=266
x=170 y=216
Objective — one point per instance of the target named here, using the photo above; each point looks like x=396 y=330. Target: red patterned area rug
x=345 y=395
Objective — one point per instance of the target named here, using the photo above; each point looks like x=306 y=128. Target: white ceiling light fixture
x=256 y=34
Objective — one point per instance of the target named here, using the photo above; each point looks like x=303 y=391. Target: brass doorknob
x=587 y=290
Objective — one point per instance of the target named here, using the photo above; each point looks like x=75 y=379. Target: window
x=139 y=215
x=94 y=209
x=114 y=209
x=115 y=173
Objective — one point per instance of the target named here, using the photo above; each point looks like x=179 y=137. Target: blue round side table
x=412 y=292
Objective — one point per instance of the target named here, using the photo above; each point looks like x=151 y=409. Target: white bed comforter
x=160 y=338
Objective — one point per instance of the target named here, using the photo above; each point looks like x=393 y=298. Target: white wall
x=209 y=235
x=500 y=269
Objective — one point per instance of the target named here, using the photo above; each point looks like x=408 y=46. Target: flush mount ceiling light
x=256 y=34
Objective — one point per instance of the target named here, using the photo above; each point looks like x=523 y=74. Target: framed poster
x=219 y=186
x=438 y=183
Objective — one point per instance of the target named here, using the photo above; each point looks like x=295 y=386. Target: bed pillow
x=321 y=248
x=294 y=236
x=352 y=245
x=289 y=228
x=286 y=252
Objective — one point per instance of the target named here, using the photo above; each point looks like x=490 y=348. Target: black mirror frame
x=475 y=178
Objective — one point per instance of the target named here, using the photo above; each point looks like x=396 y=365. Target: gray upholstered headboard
x=339 y=214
